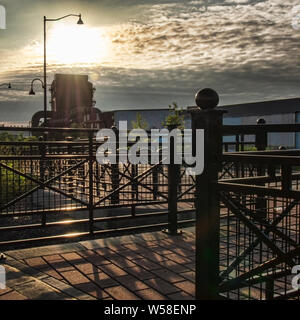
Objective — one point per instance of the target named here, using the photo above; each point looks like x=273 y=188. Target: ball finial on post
x=207 y=99
x=261 y=121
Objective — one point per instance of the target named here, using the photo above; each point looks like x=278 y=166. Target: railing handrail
x=256 y=128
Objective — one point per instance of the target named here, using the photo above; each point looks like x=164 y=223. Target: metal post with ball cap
x=205 y=116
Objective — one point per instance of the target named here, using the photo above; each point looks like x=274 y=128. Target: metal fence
x=55 y=188
x=246 y=202
x=247 y=212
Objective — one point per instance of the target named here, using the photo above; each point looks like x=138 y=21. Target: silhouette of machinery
x=72 y=104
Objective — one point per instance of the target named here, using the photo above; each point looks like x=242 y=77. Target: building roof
x=262 y=108
x=244 y=109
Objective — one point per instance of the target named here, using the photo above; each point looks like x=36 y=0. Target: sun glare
x=73 y=44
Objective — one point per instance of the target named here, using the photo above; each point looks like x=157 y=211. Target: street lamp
x=6 y=84
x=31 y=92
x=45 y=61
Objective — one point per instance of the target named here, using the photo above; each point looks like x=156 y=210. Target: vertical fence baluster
x=115 y=171
x=173 y=180
x=91 y=186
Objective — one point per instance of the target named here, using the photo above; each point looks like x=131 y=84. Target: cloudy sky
x=149 y=53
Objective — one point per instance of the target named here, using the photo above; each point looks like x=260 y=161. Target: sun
x=74 y=44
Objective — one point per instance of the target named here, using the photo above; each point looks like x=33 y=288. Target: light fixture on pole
x=6 y=84
x=80 y=22
x=32 y=92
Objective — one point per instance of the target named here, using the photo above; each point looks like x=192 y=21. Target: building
x=273 y=112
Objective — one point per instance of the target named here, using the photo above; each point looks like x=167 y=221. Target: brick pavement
x=143 y=266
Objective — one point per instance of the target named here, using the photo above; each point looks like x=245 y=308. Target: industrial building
x=72 y=103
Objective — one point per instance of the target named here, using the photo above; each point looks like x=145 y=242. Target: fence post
x=173 y=181
x=261 y=137
x=70 y=181
x=91 y=184
x=206 y=197
x=261 y=143
x=115 y=171
x=42 y=150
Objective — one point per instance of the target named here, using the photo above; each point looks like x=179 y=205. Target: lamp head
x=80 y=20
x=31 y=92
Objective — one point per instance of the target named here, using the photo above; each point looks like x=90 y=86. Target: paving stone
x=34 y=272
x=6 y=290
x=52 y=273
x=41 y=265
x=180 y=296
x=130 y=255
x=150 y=294
x=177 y=258
x=135 y=247
x=15 y=277
x=12 y=295
x=106 y=252
x=102 y=280
x=190 y=275
x=52 y=257
x=140 y=273
x=121 y=293
x=41 y=251
x=60 y=265
x=37 y=290
x=132 y=283
x=153 y=256
x=93 y=290
x=173 y=266
x=74 y=277
x=72 y=257
x=122 y=262
x=86 y=268
x=187 y=286
x=94 y=258
x=147 y=264
x=183 y=252
x=67 y=289
x=168 y=275
x=113 y=270
x=191 y=266
x=161 y=286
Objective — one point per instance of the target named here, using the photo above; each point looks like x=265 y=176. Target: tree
x=140 y=123
x=175 y=117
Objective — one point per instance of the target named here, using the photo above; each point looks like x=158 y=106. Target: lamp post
x=2 y=255
x=6 y=84
x=45 y=59
x=31 y=92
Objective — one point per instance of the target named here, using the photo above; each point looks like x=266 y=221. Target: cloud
x=246 y=49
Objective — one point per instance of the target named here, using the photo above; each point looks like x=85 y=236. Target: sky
x=150 y=53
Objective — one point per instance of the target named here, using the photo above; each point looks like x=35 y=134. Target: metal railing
x=247 y=212
x=56 y=189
